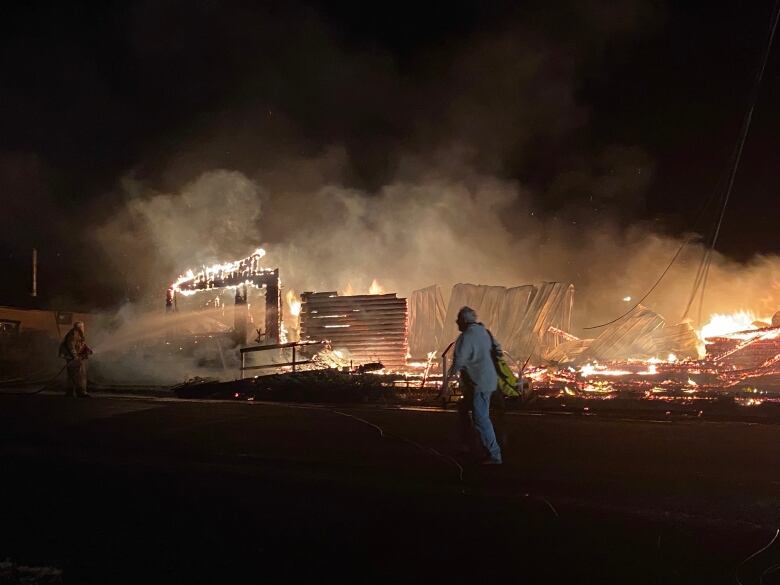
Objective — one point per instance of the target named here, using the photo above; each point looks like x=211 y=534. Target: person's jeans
x=467 y=434
x=77 y=377
x=481 y=414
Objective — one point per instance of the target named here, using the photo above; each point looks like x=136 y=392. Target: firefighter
x=75 y=351
x=473 y=360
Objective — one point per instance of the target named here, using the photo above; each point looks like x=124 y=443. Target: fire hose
x=83 y=354
x=41 y=389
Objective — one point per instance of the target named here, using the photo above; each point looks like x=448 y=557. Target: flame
x=293 y=303
x=248 y=267
x=721 y=324
x=376 y=288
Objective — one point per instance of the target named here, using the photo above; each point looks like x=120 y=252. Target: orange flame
x=720 y=324
x=246 y=266
x=376 y=288
x=293 y=303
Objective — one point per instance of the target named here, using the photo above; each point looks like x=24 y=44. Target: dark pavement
x=138 y=490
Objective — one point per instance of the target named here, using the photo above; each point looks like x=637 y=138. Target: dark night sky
x=90 y=92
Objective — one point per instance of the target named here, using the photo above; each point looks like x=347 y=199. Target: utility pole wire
x=707 y=260
x=702 y=273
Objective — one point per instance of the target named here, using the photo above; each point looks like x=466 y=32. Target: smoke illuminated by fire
x=376 y=288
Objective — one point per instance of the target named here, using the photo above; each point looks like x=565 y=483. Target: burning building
x=640 y=351
x=239 y=276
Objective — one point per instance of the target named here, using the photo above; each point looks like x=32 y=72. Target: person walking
x=473 y=361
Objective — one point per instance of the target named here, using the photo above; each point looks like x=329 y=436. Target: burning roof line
x=228 y=275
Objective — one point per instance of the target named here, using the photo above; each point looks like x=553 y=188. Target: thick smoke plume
x=469 y=165
x=435 y=229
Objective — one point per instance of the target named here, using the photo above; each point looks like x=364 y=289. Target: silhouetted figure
x=75 y=351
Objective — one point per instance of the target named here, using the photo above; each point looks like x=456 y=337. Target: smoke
x=136 y=346
x=350 y=164
x=435 y=229
x=157 y=236
x=347 y=165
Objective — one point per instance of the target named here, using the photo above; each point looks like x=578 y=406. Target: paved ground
x=129 y=490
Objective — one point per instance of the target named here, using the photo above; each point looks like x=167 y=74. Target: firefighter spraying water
x=75 y=351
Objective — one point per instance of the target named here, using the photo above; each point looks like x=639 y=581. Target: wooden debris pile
x=642 y=334
x=745 y=350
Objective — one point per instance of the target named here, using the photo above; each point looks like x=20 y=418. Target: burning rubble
x=640 y=353
x=733 y=360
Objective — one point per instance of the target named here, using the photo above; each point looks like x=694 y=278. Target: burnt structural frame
x=268 y=280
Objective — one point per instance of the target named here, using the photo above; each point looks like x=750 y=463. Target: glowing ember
x=720 y=324
x=651 y=370
x=598 y=370
x=748 y=401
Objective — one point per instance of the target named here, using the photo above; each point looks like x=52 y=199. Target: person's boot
x=491 y=461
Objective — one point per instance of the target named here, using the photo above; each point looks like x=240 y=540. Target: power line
x=704 y=269
x=652 y=288
x=702 y=273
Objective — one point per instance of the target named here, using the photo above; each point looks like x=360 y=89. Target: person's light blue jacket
x=473 y=356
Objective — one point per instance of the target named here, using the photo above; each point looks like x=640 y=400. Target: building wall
x=44 y=321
